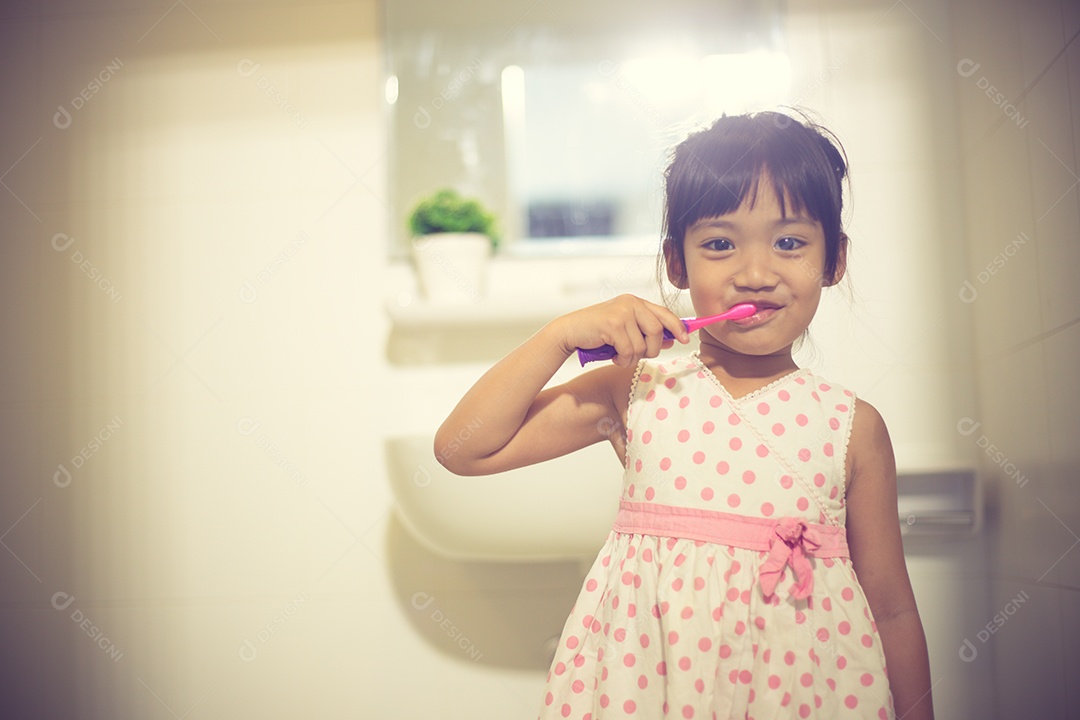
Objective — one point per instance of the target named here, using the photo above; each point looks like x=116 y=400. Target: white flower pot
x=452 y=267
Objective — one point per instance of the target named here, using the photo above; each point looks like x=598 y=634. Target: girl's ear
x=676 y=267
x=841 y=262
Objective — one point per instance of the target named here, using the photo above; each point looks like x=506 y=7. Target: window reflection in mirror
x=559 y=115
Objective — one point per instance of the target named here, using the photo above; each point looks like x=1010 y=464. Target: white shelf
x=490 y=311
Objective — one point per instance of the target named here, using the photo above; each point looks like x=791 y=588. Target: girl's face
x=756 y=255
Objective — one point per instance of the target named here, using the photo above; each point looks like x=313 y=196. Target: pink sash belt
x=788 y=540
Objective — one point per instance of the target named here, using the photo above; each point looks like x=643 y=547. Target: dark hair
x=714 y=170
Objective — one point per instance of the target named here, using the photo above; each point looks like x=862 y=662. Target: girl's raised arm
x=510 y=421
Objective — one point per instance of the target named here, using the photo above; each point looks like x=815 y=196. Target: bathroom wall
x=194 y=511
x=1017 y=82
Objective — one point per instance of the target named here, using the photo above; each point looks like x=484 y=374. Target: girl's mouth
x=763 y=314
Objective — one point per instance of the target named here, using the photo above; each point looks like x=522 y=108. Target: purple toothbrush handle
x=606 y=352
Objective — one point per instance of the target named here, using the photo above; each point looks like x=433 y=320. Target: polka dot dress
x=725 y=589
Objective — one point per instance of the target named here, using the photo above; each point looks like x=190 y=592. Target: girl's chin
x=746 y=349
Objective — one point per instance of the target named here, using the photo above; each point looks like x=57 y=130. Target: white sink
x=562 y=509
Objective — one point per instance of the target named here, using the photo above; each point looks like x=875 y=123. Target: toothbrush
x=737 y=312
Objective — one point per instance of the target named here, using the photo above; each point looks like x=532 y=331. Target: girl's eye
x=719 y=244
x=789 y=243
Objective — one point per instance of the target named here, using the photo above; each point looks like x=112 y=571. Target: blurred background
x=221 y=376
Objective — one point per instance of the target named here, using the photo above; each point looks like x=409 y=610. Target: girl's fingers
x=672 y=322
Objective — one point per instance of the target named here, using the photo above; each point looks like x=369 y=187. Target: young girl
x=755 y=569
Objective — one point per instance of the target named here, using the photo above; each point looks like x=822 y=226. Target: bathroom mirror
x=559 y=114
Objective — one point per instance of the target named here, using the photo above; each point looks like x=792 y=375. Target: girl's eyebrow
x=722 y=224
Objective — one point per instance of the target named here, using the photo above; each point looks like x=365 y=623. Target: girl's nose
x=755 y=272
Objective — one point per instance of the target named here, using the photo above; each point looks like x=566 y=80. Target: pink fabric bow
x=789 y=545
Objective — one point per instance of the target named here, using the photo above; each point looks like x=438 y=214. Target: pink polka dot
x=841 y=662
x=684 y=401
x=789 y=657
x=699 y=583
x=734 y=500
x=620 y=634
x=669 y=383
x=733 y=419
x=759 y=622
x=679 y=559
x=804 y=454
x=683 y=435
x=763 y=408
x=851 y=701
x=867 y=679
x=661 y=668
x=642 y=682
x=819 y=480
x=684 y=663
x=591 y=585
x=762 y=451
x=578 y=686
x=722 y=467
x=627 y=578
x=687 y=613
x=629 y=659
x=661 y=413
x=823 y=634
x=844 y=627
x=649 y=493
x=778 y=429
x=842 y=407
x=806 y=679
x=629 y=706
x=834 y=423
x=815 y=396
x=638 y=464
x=784 y=395
x=548 y=699
x=707 y=493
x=579 y=660
x=867 y=641
x=800 y=617
x=774 y=682
x=677 y=584
x=735 y=443
x=802 y=503
x=847 y=593
x=665 y=463
x=733 y=594
x=650 y=395
x=767 y=509
x=688 y=711
x=801 y=420
x=724 y=651
x=699 y=457
x=740 y=628
x=745 y=676
x=785 y=481
x=680 y=482
x=827 y=449
x=708 y=427
x=826 y=603
x=705 y=645
x=804 y=710
x=715 y=401
x=672 y=637
x=604 y=700
x=572 y=642
x=748 y=477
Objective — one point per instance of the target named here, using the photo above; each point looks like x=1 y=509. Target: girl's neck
x=747 y=372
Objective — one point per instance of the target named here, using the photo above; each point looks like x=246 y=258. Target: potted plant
x=453 y=237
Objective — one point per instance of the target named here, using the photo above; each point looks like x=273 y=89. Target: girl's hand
x=635 y=328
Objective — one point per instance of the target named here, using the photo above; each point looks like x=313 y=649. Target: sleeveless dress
x=725 y=589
